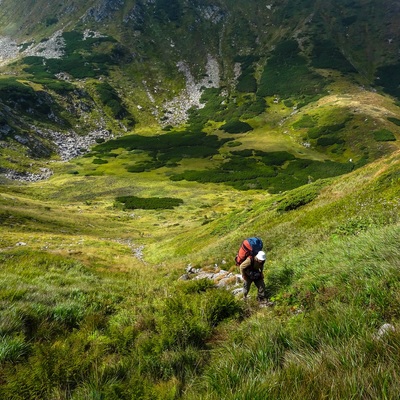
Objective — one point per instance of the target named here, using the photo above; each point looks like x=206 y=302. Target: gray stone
x=184 y=277
x=384 y=330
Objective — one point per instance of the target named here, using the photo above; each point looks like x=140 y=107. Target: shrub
x=254 y=108
x=82 y=59
x=288 y=103
x=275 y=157
x=394 y=120
x=234 y=144
x=275 y=171
x=61 y=87
x=13 y=91
x=300 y=197
x=51 y=21
x=149 y=203
x=384 y=135
x=110 y=99
x=329 y=141
x=99 y=161
x=236 y=126
x=247 y=83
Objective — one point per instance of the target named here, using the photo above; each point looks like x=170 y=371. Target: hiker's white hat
x=261 y=256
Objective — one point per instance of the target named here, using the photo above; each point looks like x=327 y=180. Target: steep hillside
x=92 y=304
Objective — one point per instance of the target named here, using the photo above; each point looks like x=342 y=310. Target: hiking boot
x=266 y=303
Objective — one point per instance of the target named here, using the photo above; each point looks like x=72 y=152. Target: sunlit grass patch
x=12 y=348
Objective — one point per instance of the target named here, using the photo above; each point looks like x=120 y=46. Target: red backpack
x=249 y=248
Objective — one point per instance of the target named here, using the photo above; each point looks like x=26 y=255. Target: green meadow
x=91 y=302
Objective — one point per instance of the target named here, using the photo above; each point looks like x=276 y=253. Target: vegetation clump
x=384 y=135
x=247 y=83
x=166 y=149
x=148 y=203
x=300 y=196
x=286 y=74
x=396 y=121
x=236 y=126
x=272 y=171
x=23 y=97
x=111 y=100
x=326 y=55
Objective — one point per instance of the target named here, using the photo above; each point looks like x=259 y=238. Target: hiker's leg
x=261 y=289
x=246 y=287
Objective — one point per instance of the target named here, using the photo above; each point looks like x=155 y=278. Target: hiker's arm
x=244 y=267
x=262 y=271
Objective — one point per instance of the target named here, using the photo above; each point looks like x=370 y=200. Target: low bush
x=61 y=87
x=277 y=158
x=396 y=121
x=329 y=141
x=99 y=161
x=166 y=149
x=247 y=83
x=111 y=100
x=319 y=131
x=384 y=135
x=82 y=59
x=236 y=126
x=234 y=144
x=300 y=197
x=149 y=203
x=273 y=171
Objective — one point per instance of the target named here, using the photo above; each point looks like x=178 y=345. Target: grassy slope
x=79 y=301
x=73 y=301
x=89 y=298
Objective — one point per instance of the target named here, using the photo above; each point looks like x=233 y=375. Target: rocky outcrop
x=70 y=144
x=50 y=48
x=176 y=109
x=8 y=49
x=44 y=173
x=104 y=10
x=221 y=277
x=212 y=13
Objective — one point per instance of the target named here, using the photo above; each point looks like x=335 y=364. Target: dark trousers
x=260 y=284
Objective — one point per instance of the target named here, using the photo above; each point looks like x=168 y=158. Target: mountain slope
x=155 y=136
x=91 y=67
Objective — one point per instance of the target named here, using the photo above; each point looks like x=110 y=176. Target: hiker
x=252 y=271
